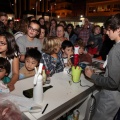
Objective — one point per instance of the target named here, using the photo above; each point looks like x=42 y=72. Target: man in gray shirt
x=28 y=41
x=108 y=99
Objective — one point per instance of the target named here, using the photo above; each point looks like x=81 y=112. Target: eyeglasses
x=2 y=43
x=2 y=69
x=31 y=28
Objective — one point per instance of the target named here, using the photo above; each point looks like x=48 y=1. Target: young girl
x=52 y=56
x=10 y=51
x=4 y=70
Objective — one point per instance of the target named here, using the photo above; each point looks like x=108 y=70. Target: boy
x=32 y=59
x=4 y=70
x=67 y=52
x=108 y=99
x=83 y=56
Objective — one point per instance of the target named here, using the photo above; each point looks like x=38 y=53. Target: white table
x=61 y=98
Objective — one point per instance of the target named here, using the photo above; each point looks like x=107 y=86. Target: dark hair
x=30 y=18
x=13 y=49
x=2 y=27
x=33 y=53
x=54 y=21
x=35 y=22
x=10 y=21
x=113 y=22
x=22 y=26
x=43 y=27
x=61 y=26
x=41 y=19
x=5 y=64
x=66 y=43
x=80 y=43
x=96 y=27
x=3 y=14
x=70 y=25
x=72 y=31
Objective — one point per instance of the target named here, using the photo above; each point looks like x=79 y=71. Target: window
x=116 y=7
x=92 y=9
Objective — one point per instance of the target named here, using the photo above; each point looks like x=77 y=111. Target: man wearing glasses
x=29 y=40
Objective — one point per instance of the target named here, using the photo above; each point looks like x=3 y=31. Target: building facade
x=68 y=10
x=99 y=10
x=63 y=8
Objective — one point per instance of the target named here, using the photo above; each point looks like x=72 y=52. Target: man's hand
x=70 y=53
x=88 y=72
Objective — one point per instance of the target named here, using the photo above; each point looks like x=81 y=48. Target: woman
x=53 y=24
x=72 y=35
x=60 y=32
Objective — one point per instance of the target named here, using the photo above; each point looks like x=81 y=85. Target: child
x=10 y=50
x=32 y=59
x=52 y=56
x=67 y=52
x=95 y=42
x=83 y=56
x=4 y=70
x=108 y=99
x=29 y=40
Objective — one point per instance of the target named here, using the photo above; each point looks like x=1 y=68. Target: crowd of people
x=25 y=44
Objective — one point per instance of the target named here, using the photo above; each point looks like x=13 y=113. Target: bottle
x=48 y=77
x=38 y=86
x=44 y=75
x=76 y=55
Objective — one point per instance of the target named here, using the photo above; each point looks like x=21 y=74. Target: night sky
x=5 y=6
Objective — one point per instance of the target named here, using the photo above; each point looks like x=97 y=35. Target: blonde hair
x=50 y=44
